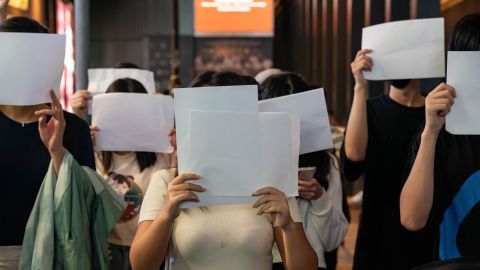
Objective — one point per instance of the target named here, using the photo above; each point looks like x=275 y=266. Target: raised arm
x=356 y=137
x=296 y=252
x=151 y=241
x=416 y=198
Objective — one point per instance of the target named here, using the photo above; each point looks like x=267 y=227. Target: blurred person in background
x=320 y=200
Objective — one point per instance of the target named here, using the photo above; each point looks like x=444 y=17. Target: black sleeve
x=352 y=170
x=77 y=140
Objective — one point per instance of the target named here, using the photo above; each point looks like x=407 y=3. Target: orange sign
x=233 y=17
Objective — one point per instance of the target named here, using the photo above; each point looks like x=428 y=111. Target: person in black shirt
x=443 y=188
x=24 y=159
x=377 y=139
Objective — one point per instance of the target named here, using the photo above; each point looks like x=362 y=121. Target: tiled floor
x=345 y=253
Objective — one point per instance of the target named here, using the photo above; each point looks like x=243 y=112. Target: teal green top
x=71 y=220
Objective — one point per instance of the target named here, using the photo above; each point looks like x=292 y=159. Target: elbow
x=412 y=223
x=354 y=155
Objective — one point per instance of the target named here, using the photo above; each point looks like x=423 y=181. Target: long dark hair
x=288 y=83
x=144 y=159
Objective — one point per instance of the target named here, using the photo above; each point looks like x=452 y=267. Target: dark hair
x=288 y=83
x=224 y=78
x=400 y=84
x=466 y=34
x=285 y=83
x=144 y=159
x=23 y=25
x=126 y=65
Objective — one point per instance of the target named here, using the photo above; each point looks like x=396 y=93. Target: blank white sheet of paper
x=133 y=122
x=239 y=153
x=224 y=98
x=462 y=74
x=30 y=66
x=310 y=106
x=99 y=79
x=410 y=49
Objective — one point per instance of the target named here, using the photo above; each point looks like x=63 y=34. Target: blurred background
x=178 y=39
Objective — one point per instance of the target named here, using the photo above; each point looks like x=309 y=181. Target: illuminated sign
x=234 y=17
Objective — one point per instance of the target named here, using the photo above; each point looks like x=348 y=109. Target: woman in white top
x=217 y=237
x=129 y=174
x=320 y=200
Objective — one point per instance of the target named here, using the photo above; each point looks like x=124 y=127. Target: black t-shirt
x=455 y=214
x=382 y=242
x=24 y=161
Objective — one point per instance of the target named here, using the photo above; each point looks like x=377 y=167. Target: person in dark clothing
x=24 y=158
x=377 y=139
x=443 y=189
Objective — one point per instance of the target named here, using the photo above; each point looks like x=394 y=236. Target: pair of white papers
x=222 y=136
x=462 y=74
x=100 y=79
x=30 y=66
x=411 y=49
x=133 y=122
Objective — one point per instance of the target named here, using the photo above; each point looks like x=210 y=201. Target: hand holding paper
x=133 y=122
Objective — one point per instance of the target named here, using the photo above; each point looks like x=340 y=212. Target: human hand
x=179 y=191
x=79 y=103
x=437 y=105
x=361 y=63
x=310 y=189
x=93 y=129
x=51 y=133
x=275 y=203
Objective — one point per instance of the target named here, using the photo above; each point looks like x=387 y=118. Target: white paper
x=239 y=153
x=411 y=49
x=310 y=106
x=225 y=98
x=99 y=79
x=133 y=122
x=462 y=74
x=30 y=66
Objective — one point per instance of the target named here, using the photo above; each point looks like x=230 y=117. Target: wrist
x=428 y=133
x=361 y=89
x=289 y=225
x=57 y=153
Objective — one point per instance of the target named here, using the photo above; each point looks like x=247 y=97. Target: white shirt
x=323 y=219
x=215 y=237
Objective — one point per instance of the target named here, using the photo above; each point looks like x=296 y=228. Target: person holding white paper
x=320 y=200
x=442 y=190
x=81 y=98
x=377 y=139
x=221 y=236
x=25 y=159
x=129 y=174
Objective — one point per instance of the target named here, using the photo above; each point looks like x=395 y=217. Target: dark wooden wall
x=319 y=39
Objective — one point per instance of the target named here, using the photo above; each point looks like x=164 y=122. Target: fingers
x=306 y=183
x=55 y=102
x=444 y=87
x=266 y=199
x=42 y=122
x=364 y=51
x=264 y=207
x=188 y=186
x=46 y=112
x=306 y=189
x=94 y=129
x=267 y=190
x=185 y=177
x=181 y=196
x=307 y=195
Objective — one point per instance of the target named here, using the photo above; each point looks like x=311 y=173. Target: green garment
x=70 y=221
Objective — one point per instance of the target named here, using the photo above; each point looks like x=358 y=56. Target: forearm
x=416 y=198
x=356 y=137
x=297 y=252
x=57 y=158
x=150 y=245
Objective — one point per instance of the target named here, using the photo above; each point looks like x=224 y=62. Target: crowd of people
x=413 y=171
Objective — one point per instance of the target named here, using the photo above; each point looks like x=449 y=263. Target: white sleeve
x=294 y=211
x=155 y=195
x=326 y=215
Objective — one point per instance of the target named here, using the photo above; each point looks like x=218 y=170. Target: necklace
x=23 y=124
